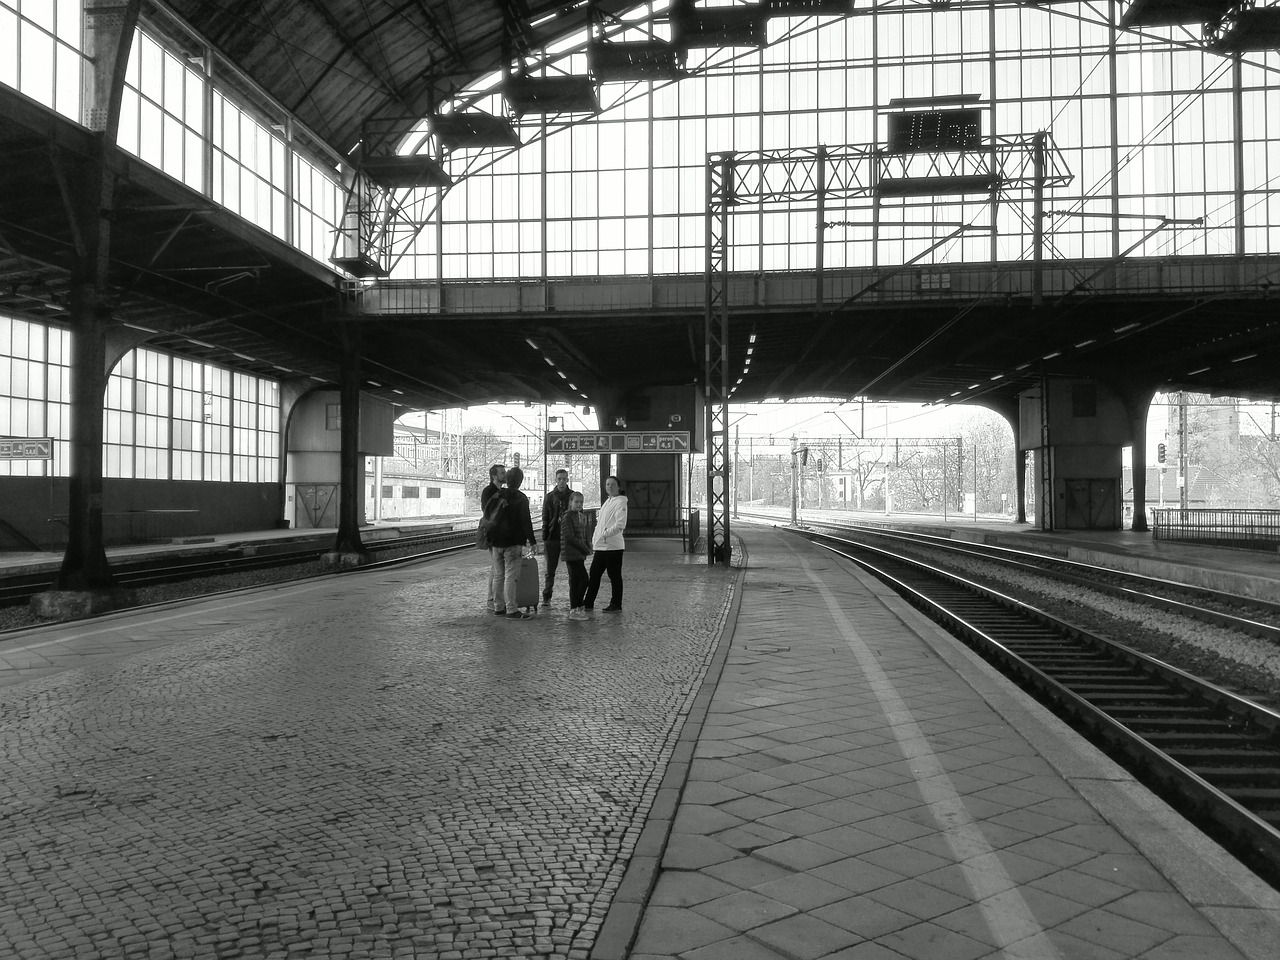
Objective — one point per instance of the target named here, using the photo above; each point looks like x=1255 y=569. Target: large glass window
x=164 y=417
x=40 y=51
x=35 y=393
x=171 y=118
x=162 y=112
x=624 y=192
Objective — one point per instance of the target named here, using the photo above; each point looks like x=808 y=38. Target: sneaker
x=613 y=608
x=577 y=613
x=546 y=599
x=588 y=606
x=519 y=615
x=500 y=613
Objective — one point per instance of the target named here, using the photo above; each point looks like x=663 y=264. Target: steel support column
x=716 y=345
x=348 y=546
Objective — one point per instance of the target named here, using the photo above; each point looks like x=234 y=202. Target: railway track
x=1209 y=752
x=152 y=571
x=1254 y=616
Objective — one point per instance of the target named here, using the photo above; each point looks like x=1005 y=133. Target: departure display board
x=619 y=441
x=935 y=131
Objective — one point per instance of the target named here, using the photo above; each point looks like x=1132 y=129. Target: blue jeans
x=505 y=576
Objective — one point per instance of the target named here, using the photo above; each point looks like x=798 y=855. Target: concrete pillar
x=1009 y=410
x=1088 y=426
x=1020 y=478
x=292 y=390
x=1137 y=401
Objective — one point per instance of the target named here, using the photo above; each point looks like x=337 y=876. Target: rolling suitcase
x=529 y=586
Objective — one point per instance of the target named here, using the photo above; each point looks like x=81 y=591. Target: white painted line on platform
x=985 y=874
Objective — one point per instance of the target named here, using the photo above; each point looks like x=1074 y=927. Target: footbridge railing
x=1244 y=276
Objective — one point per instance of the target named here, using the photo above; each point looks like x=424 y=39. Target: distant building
x=411 y=484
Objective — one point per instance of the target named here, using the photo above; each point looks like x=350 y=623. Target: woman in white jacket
x=608 y=546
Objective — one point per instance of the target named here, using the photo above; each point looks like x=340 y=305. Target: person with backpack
x=554 y=506
x=497 y=477
x=511 y=531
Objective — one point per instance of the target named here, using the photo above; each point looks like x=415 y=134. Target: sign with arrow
x=619 y=441
x=26 y=448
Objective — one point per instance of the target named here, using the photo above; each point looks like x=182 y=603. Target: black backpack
x=493 y=525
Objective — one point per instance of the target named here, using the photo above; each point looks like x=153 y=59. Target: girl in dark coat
x=573 y=551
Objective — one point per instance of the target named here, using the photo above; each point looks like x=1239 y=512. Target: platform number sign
x=619 y=441
x=26 y=448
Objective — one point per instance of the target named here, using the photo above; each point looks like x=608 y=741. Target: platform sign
x=619 y=441
x=26 y=448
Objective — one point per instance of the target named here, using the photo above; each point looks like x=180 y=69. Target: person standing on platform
x=554 y=506
x=497 y=477
x=513 y=532
x=574 y=549
x=609 y=546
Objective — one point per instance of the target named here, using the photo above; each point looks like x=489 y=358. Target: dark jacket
x=519 y=524
x=554 y=505
x=486 y=493
x=574 y=539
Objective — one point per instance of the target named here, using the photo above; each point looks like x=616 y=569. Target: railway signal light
x=1160 y=452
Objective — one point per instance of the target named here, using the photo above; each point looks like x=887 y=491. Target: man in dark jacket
x=554 y=506
x=497 y=477
x=513 y=531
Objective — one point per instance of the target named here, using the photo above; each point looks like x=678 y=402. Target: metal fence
x=1248 y=529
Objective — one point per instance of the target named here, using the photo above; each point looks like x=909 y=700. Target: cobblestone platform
x=363 y=766
x=785 y=762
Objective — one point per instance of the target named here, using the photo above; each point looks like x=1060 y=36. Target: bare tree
x=481 y=449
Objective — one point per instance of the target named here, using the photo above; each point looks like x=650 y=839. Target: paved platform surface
x=863 y=787
x=779 y=762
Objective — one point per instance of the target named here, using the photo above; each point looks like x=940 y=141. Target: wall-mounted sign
x=26 y=448
x=619 y=441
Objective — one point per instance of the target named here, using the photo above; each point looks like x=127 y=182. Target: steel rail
x=1096 y=577
x=1208 y=751
x=18 y=589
